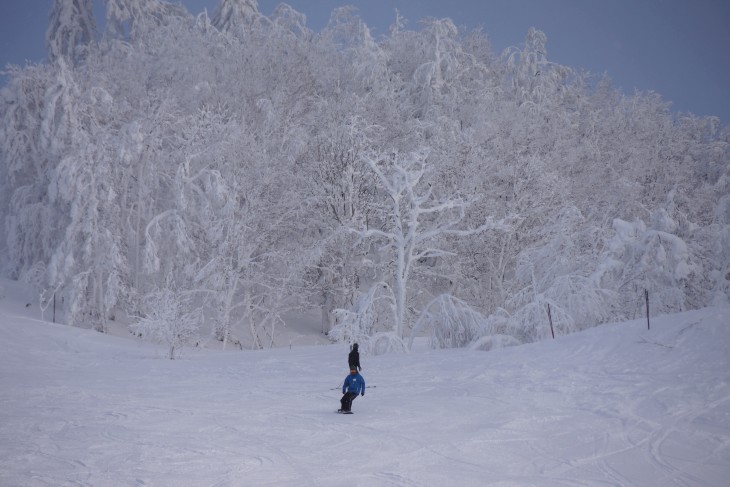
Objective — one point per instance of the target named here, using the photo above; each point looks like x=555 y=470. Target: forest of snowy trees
x=218 y=174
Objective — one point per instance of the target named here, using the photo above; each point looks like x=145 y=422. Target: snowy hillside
x=616 y=405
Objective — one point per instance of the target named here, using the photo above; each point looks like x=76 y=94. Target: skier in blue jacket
x=354 y=384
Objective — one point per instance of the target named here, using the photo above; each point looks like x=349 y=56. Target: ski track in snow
x=615 y=406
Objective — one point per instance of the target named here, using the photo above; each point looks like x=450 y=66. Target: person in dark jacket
x=354 y=384
x=353 y=360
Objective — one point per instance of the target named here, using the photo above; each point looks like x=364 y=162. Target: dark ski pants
x=347 y=399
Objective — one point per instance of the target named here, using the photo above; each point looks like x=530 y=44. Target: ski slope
x=616 y=405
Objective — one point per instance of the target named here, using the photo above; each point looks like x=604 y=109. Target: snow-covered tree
x=239 y=165
x=233 y=15
x=90 y=258
x=70 y=29
x=290 y=21
x=129 y=18
x=414 y=218
x=240 y=267
x=648 y=258
x=26 y=166
x=89 y=262
x=534 y=80
x=557 y=272
x=336 y=190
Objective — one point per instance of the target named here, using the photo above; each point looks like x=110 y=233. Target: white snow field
x=616 y=405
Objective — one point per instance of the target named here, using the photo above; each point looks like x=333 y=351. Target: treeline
x=236 y=169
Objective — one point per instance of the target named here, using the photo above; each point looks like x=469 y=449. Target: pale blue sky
x=678 y=48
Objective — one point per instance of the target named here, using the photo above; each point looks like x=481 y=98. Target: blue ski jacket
x=354 y=383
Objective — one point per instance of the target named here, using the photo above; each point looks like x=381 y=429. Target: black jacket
x=353 y=360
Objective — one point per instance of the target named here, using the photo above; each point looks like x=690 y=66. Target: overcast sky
x=678 y=48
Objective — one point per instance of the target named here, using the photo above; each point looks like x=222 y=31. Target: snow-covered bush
x=359 y=324
x=450 y=323
x=555 y=272
x=531 y=322
x=363 y=323
x=170 y=320
x=643 y=258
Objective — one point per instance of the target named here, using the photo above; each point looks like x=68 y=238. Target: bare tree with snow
x=413 y=219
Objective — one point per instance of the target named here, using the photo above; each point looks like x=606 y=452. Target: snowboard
x=344 y=412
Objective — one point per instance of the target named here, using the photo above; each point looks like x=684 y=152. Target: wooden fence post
x=646 y=295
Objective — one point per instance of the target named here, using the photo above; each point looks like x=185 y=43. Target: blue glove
x=362 y=393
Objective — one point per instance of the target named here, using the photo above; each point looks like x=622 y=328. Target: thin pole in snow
x=54 y=307
x=646 y=295
x=550 y=317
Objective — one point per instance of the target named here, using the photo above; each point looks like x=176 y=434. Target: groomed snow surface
x=617 y=405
